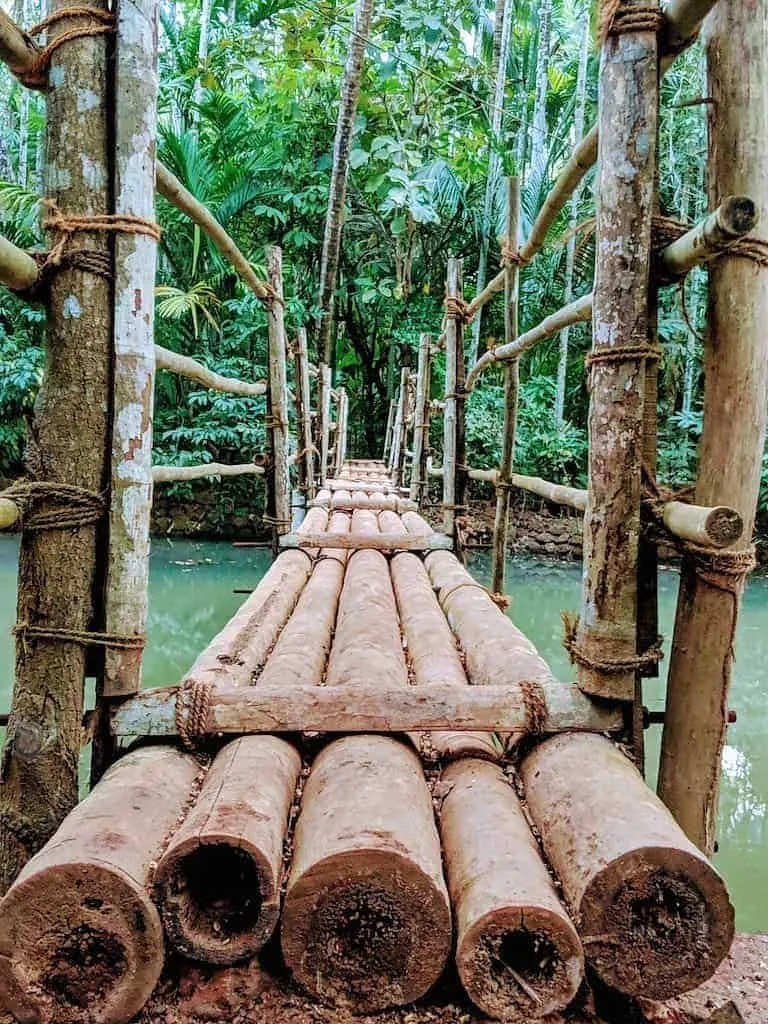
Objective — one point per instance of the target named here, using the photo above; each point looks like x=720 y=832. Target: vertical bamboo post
x=420 y=435
x=736 y=382
x=628 y=115
x=389 y=429
x=398 y=431
x=67 y=444
x=511 y=387
x=407 y=421
x=453 y=355
x=303 y=415
x=279 y=479
x=130 y=489
x=341 y=429
x=325 y=420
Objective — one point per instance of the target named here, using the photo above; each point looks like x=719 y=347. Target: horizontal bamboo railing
x=360 y=541
x=179 y=474
x=185 y=366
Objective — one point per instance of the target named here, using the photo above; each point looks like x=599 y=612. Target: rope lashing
x=458 y=309
x=502 y=601
x=755 y=249
x=616 y=18
x=578 y=654
x=535 y=706
x=510 y=254
x=620 y=354
x=90 y=261
x=76 y=506
x=67 y=225
x=193 y=706
x=23 y=631
x=101 y=23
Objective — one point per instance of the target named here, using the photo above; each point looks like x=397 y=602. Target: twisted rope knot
x=510 y=254
x=194 y=700
x=101 y=23
x=633 y=352
x=579 y=654
x=85 y=638
x=656 y=496
x=458 y=309
x=77 y=506
x=502 y=601
x=723 y=570
x=69 y=224
x=617 y=19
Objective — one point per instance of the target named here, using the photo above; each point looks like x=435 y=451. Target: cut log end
x=724 y=526
x=656 y=923
x=522 y=964
x=100 y=968
x=214 y=904
x=373 y=935
x=738 y=214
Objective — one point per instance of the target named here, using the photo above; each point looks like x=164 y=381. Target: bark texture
x=57 y=568
x=366 y=921
x=655 y=917
x=219 y=879
x=80 y=939
x=518 y=954
x=736 y=382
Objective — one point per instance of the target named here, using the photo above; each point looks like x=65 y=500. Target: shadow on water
x=191 y=598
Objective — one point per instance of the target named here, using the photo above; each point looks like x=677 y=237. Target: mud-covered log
x=416 y=525
x=655 y=918
x=242 y=646
x=80 y=939
x=517 y=952
x=219 y=879
x=495 y=651
x=341 y=499
x=364 y=522
x=366 y=921
x=433 y=657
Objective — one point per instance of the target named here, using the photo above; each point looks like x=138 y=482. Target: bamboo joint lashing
x=193 y=704
x=458 y=309
x=579 y=655
x=616 y=19
x=84 y=638
x=101 y=23
x=76 y=506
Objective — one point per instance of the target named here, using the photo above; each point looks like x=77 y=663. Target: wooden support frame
x=628 y=118
x=370 y=708
x=454 y=378
x=389 y=428
x=342 y=423
x=278 y=476
x=324 y=382
x=398 y=430
x=418 y=483
x=511 y=391
x=304 y=416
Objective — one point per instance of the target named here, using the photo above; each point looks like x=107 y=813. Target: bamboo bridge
x=371 y=766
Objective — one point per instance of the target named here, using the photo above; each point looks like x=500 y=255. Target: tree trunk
x=202 y=57
x=730 y=452
x=629 y=77
x=539 y=126
x=279 y=478
x=581 y=97
x=57 y=568
x=502 y=31
x=350 y=92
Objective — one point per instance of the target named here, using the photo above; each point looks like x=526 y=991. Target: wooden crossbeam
x=364 y=707
x=376 y=541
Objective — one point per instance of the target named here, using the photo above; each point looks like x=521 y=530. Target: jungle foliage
x=249 y=130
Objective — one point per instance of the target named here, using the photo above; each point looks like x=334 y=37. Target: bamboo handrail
x=734 y=218
x=185 y=366
x=178 y=474
x=18 y=52
x=18 y=271
x=682 y=19
x=169 y=186
x=575 y=312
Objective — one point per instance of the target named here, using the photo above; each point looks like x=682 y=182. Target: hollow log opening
x=215 y=892
x=83 y=964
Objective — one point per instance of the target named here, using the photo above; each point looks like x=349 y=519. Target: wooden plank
x=372 y=708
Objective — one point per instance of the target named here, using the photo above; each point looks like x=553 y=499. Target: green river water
x=191 y=598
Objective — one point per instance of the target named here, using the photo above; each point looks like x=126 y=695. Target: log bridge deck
x=366 y=625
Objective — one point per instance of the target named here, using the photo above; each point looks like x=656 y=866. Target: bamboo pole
x=179 y=474
x=421 y=421
x=370 y=707
x=19 y=53
x=185 y=366
x=389 y=429
x=454 y=352
x=303 y=415
x=169 y=186
x=629 y=86
x=341 y=431
x=356 y=540
x=58 y=568
x=733 y=218
x=511 y=389
x=133 y=375
x=279 y=477
x=18 y=271
x=682 y=19
x=730 y=451
x=398 y=431
x=325 y=420
x=575 y=312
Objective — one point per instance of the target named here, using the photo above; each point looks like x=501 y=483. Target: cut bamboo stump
x=518 y=954
x=655 y=917
x=433 y=658
x=219 y=879
x=495 y=651
x=366 y=921
x=80 y=939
